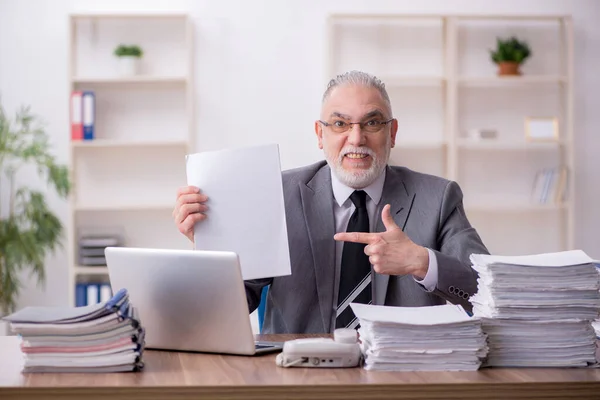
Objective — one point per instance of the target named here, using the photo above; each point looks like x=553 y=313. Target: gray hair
x=358 y=78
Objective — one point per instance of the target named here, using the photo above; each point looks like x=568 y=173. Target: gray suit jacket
x=430 y=211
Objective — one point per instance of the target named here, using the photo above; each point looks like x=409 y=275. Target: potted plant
x=29 y=230
x=509 y=55
x=129 y=58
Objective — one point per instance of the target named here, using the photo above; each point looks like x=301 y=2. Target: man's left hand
x=391 y=252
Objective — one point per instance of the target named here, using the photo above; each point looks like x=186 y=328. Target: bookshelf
x=125 y=178
x=442 y=84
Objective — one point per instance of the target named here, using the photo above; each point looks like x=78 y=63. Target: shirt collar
x=341 y=192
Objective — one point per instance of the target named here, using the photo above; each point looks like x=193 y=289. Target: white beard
x=358 y=179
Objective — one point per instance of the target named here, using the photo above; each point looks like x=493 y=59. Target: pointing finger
x=356 y=237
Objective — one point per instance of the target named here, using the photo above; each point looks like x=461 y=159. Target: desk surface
x=177 y=375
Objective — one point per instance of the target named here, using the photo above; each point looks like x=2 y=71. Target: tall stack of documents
x=104 y=337
x=435 y=338
x=596 y=323
x=538 y=310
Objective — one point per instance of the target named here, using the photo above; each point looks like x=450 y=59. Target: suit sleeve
x=457 y=240
x=253 y=291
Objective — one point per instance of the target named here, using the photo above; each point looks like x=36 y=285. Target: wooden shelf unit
x=438 y=72
x=131 y=144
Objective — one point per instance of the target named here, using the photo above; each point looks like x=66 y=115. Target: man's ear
x=393 y=131
x=319 y=132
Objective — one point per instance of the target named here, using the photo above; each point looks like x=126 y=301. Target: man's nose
x=356 y=136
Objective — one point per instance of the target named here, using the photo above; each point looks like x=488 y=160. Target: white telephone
x=340 y=352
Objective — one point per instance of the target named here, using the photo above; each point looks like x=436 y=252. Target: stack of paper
x=436 y=338
x=596 y=323
x=105 y=337
x=538 y=310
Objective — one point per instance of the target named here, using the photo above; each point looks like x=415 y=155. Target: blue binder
x=89 y=114
x=80 y=295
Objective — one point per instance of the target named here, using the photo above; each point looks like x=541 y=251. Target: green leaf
x=510 y=50
x=124 y=51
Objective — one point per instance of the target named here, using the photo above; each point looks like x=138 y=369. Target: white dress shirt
x=343 y=209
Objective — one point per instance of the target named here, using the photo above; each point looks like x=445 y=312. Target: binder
x=560 y=194
x=119 y=304
x=105 y=292
x=89 y=115
x=99 y=241
x=93 y=294
x=91 y=252
x=93 y=260
x=76 y=115
x=80 y=295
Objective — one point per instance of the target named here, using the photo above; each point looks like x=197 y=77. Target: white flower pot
x=129 y=65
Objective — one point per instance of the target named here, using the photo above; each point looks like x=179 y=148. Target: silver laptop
x=188 y=300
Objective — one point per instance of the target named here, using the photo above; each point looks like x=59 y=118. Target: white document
x=431 y=315
x=246 y=212
x=558 y=259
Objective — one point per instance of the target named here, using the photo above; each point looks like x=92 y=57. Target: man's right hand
x=189 y=209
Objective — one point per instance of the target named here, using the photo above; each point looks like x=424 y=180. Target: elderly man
x=359 y=230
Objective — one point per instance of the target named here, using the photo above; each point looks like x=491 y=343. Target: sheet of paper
x=432 y=315
x=246 y=207
x=558 y=259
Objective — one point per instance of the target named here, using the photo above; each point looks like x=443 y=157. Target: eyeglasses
x=370 y=126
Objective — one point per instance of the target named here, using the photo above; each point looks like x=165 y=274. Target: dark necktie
x=355 y=277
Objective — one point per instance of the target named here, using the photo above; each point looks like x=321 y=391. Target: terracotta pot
x=508 y=68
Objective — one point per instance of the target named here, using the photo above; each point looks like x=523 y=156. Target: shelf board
x=501 y=81
x=99 y=270
x=412 y=81
x=138 y=79
x=500 y=145
x=112 y=143
x=125 y=207
x=522 y=17
x=393 y=16
x=387 y=16
x=113 y=15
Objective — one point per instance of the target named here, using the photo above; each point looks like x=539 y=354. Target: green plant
x=29 y=231
x=128 y=51
x=510 y=50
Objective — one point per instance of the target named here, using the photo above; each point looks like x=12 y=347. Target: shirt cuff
x=431 y=278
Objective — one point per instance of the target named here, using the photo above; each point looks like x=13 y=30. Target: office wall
x=259 y=78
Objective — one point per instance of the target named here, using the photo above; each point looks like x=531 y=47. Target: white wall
x=260 y=75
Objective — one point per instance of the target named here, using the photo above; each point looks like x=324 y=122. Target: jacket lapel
x=317 y=204
x=397 y=194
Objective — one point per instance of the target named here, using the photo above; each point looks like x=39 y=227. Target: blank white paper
x=429 y=316
x=246 y=212
x=558 y=259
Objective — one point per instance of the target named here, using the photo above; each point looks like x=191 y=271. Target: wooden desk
x=173 y=375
